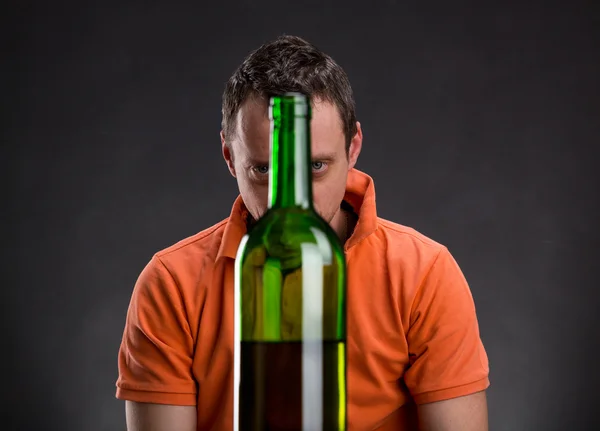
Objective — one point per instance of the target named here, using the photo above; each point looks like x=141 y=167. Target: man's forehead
x=254 y=109
x=252 y=120
x=253 y=129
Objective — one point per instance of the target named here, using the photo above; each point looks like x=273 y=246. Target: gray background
x=481 y=127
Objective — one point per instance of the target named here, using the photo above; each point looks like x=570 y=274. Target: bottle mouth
x=293 y=103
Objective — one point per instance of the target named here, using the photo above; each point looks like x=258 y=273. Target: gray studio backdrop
x=481 y=125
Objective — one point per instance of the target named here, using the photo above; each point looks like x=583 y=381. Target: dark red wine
x=273 y=376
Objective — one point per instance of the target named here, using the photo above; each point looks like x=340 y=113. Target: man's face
x=247 y=157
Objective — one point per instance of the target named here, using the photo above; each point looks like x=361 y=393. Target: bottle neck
x=290 y=180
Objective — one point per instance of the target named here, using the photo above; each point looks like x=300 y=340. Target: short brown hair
x=289 y=64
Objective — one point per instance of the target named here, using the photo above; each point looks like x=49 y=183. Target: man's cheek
x=262 y=196
x=317 y=195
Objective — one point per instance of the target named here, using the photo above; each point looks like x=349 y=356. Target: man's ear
x=227 y=154
x=355 y=147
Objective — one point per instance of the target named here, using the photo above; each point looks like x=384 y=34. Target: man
x=415 y=358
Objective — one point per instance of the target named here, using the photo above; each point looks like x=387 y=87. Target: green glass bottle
x=290 y=296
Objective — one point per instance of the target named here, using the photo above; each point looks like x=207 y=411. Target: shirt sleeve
x=447 y=356
x=155 y=356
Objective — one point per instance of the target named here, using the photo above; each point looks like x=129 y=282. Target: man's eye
x=319 y=166
x=264 y=169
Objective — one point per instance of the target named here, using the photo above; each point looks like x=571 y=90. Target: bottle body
x=290 y=282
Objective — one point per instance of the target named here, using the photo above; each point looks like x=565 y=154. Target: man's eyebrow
x=323 y=156
x=257 y=162
x=315 y=157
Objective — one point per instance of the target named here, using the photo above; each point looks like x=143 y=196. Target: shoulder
x=415 y=256
x=206 y=241
x=172 y=274
x=408 y=255
x=399 y=239
x=189 y=255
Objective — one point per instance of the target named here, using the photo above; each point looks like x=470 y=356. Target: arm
x=448 y=373
x=466 y=413
x=159 y=417
x=155 y=358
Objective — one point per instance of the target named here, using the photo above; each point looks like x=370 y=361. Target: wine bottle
x=290 y=296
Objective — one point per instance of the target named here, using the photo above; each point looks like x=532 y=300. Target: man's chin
x=327 y=217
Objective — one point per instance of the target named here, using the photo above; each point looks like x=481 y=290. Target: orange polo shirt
x=413 y=335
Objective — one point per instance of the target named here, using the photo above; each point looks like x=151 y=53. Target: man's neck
x=344 y=222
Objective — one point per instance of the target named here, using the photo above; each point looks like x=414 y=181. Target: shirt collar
x=360 y=195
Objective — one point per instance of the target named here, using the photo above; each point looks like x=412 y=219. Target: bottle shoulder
x=285 y=229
